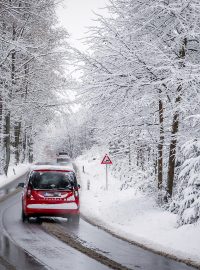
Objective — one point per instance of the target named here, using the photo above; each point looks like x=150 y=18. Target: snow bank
x=13 y=172
x=132 y=215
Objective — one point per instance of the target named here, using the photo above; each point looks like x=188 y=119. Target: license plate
x=49 y=194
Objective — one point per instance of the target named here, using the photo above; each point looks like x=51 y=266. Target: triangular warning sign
x=106 y=160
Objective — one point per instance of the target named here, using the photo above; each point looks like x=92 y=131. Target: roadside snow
x=13 y=173
x=132 y=215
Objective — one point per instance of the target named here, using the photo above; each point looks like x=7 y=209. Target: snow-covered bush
x=132 y=176
x=188 y=197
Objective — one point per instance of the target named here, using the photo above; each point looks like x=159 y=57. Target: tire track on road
x=57 y=231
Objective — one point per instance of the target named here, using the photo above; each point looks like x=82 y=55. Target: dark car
x=63 y=157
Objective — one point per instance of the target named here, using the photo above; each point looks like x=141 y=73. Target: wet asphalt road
x=121 y=251
x=27 y=246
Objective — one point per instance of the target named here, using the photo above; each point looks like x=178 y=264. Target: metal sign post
x=106 y=160
x=106 y=176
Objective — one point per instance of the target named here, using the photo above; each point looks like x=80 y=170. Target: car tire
x=24 y=217
x=38 y=220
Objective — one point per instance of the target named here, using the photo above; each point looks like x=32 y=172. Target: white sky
x=76 y=15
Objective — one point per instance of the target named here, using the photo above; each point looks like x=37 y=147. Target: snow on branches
x=32 y=50
x=188 y=199
x=141 y=79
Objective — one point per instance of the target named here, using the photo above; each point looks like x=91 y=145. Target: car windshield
x=53 y=180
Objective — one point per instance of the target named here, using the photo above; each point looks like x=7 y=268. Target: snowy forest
x=141 y=81
x=138 y=92
x=31 y=74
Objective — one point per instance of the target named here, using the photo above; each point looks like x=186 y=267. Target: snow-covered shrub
x=132 y=163
x=131 y=176
x=188 y=197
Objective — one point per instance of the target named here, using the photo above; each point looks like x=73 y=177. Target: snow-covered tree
x=188 y=199
x=139 y=76
x=31 y=62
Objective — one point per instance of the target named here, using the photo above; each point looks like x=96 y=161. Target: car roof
x=52 y=168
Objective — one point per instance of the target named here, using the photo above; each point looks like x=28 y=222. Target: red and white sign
x=106 y=160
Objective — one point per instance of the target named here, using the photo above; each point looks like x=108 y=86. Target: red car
x=51 y=191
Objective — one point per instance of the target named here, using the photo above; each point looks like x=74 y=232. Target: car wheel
x=24 y=217
x=38 y=220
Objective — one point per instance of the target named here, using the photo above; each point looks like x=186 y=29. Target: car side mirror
x=20 y=185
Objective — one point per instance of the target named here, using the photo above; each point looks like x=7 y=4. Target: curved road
x=28 y=246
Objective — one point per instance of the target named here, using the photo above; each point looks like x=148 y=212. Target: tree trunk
x=175 y=126
x=160 y=145
x=23 y=156
x=7 y=142
x=172 y=149
x=129 y=153
x=17 y=132
x=1 y=136
x=30 y=150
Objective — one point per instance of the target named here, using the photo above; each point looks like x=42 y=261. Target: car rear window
x=53 y=180
x=60 y=159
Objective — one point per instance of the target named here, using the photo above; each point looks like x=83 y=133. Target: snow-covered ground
x=132 y=215
x=13 y=172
